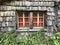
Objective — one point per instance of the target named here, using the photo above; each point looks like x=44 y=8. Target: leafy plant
x=8 y=38
x=36 y=38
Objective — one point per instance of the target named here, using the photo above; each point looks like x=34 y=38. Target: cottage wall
x=42 y=5
x=7 y=20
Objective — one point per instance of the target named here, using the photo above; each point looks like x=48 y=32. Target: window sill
x=30 y=30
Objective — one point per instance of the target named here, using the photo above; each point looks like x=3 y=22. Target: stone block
x=49 y=17
x=49 y=13
x=58 y=19
x=34 y=8
x=1 y=19
x=4 y=29
x=53 y=14
x=35 y=3
x=48 y=0
x=43 y=8
x=57 y=0
x=58 y=23
x=58 y=11
x=50 y=9
x=39 y=8
x=49 y=22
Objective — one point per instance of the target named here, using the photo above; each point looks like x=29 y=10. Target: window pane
x=40 y=20
x=20 y=19
x=40 y=15
x=26 y=14
x=35 y=19
x=35 y=24
x=26 y=20
x=41 y=24
x=20 y=24
x=20 y=15
x=34 y=14
x=26 y=24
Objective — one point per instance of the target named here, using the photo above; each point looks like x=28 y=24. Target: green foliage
x=56 y=38
x=36 y=38
x=8 y=38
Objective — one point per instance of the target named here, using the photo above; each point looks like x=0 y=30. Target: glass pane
x=41 y=20
x=1 y=19
x=26 y=24
x=20 y=14
x=26 y=19
x=35 y=24
x=26 y=14
x=40 y=15
x=20 y=19
x=20 y=24
x=34 y=14
x=41 y=24
x=35 y=19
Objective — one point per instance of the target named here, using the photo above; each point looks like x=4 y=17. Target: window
x=38 y=19
x=24 y=19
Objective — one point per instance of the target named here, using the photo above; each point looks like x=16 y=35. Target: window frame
x=24 y=21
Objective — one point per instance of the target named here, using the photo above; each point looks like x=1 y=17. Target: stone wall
x=50 y=20
x=22 y=5
x=7 y=20
x=35 y=6
x=58 y=17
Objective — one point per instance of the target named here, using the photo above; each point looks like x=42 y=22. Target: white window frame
x=38 y=21
x=24 y=21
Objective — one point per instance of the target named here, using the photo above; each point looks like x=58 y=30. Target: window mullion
x=38 y=19
x=43 y=19
x=23 y=19
x=31 y=20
